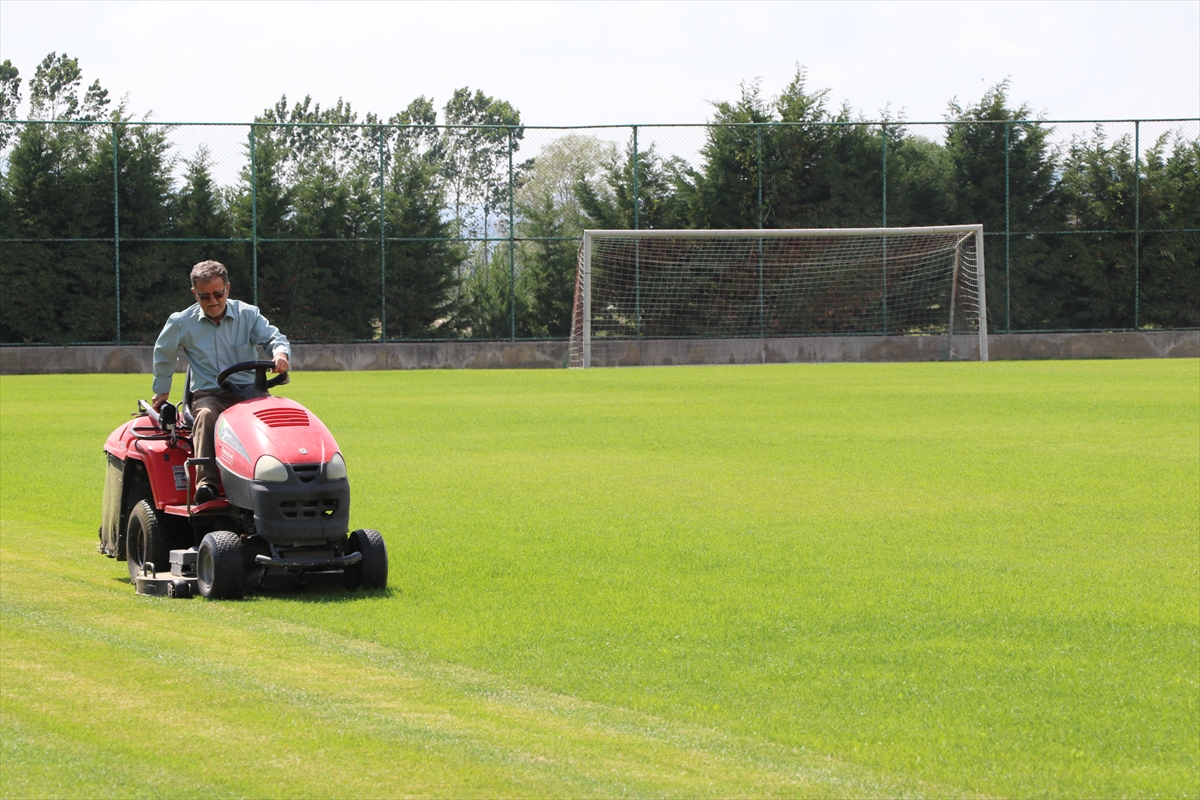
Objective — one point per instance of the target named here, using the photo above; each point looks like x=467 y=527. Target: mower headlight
x=335 y=470
x=270 y=468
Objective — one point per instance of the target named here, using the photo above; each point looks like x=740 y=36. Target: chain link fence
x=413 y=232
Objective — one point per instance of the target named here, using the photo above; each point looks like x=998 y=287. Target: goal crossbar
x=777 y=233
x=807 y=284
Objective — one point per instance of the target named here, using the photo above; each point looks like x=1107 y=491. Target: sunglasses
x=205 y=297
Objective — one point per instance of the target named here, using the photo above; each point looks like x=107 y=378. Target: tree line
x=399 y=227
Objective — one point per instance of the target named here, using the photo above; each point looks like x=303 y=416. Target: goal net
x=779 y=283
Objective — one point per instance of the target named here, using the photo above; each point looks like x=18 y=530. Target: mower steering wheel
x=260 y=368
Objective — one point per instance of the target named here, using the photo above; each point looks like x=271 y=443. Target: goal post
x=736 y=284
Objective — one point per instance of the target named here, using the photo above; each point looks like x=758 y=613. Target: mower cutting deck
x=283 y=513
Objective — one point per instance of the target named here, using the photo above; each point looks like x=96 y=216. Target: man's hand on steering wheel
x=158 y=399
x=281 y=363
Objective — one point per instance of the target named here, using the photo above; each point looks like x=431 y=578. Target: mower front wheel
x=146 y=540
x=221 y=566
x=372 y=571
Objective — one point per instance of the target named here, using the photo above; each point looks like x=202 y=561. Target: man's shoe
x=204 y=494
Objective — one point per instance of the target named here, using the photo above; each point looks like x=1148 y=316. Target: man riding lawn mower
x=232 y=487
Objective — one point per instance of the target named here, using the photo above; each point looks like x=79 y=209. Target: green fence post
x=253 y=218
x=758 y=132
x=1137 y=222
x=635 y=179
x=883 y=169
x=512 y=261
x=1007 y=237
x=116 y=231
x=382 y=245
x=762 y=317
x=637 y=245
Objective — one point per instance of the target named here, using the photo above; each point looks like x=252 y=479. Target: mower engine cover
x=281 y=462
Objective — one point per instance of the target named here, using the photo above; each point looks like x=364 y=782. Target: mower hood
x=280 y=462
x=270 y=426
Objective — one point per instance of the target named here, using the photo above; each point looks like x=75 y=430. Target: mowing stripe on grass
x=107 y=693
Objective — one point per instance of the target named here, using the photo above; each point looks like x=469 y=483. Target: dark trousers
x=206 y=407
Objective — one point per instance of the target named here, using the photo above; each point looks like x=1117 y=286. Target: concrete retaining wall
x=1142 y=344
x=317 y=357
x=1002 y=347
x=650 y=352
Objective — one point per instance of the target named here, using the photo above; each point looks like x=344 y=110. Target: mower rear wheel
x=146 y=540
x=372 y=571
x=221 y=566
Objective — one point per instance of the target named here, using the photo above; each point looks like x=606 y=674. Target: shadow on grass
x=319 y=587
x=327 y=595
x=310 y=589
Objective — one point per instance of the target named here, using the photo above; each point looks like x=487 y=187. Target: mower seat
x=185 y=405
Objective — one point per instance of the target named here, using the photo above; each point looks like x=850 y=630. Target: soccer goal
x=729 y=284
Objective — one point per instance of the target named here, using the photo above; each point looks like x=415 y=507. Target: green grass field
x=798 y=580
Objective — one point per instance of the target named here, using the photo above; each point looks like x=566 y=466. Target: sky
x=585 y=63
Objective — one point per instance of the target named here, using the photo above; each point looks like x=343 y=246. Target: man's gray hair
x=207 y=270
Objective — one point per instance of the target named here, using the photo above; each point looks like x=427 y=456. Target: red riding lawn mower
x=282 y=516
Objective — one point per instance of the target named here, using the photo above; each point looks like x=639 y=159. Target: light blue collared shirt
x=211 y=347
